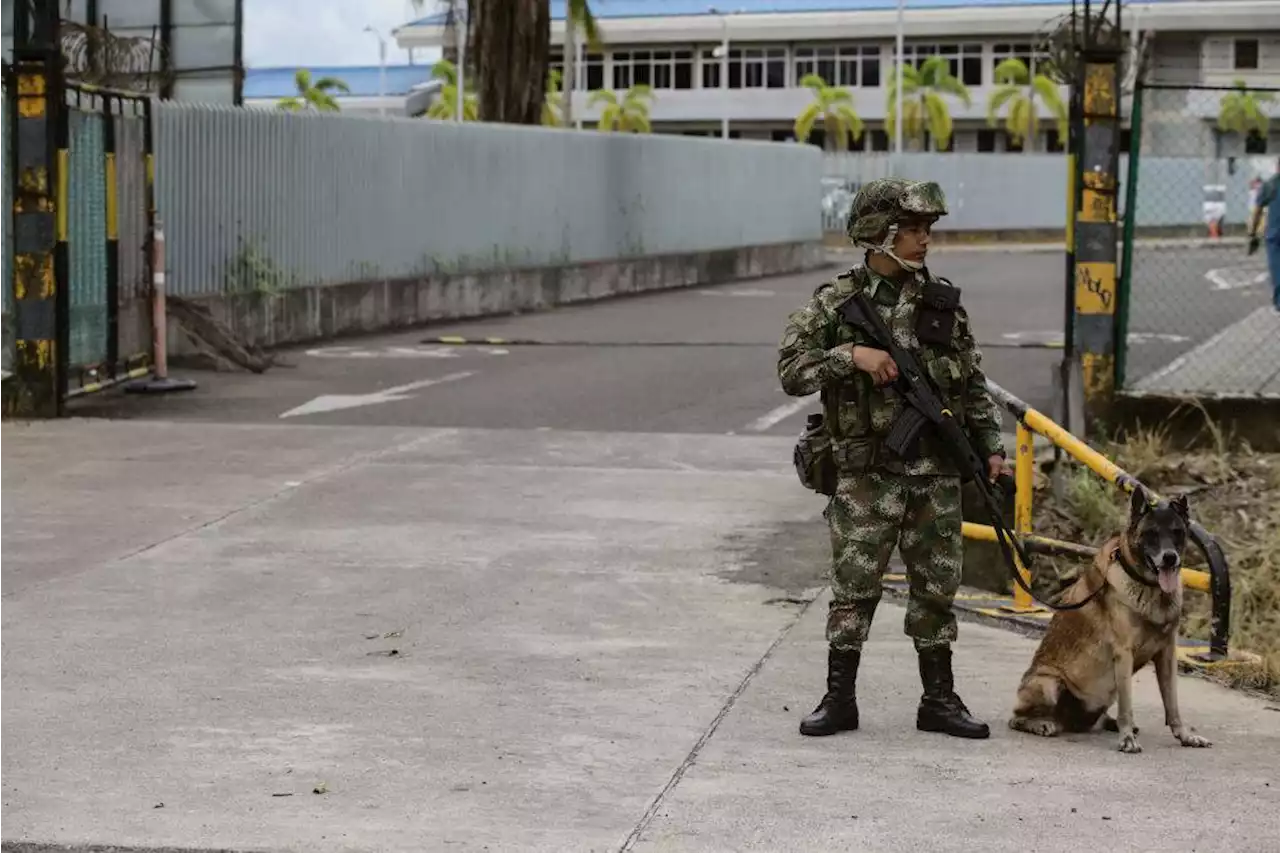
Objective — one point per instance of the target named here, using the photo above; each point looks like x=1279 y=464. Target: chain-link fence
x=1196 y=308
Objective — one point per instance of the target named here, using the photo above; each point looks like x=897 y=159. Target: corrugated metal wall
x=1026 y=191
x=255 y=199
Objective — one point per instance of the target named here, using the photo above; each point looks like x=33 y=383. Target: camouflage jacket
x=859 y=414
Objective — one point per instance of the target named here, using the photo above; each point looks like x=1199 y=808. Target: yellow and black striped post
x=1095 y=229
x=40 y=269
x=109 y=106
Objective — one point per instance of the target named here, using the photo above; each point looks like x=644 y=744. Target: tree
x=507 y=43
x=1019 y=92
x=445 y=105
x=628 y=115
x=1242 y=111
x=511 y=40
x=313 y=95
x=555 y=106
x=577 y=13
x=833 y=106
x=923 y=105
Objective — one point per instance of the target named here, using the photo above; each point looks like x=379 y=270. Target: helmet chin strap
x=886 y=248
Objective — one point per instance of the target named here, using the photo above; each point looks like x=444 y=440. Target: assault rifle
x=925 y=408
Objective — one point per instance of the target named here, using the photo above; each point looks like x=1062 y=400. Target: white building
x=674 y=46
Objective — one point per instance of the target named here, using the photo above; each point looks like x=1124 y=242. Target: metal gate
x=110 y=213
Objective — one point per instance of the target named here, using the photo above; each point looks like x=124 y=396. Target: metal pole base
x=157 y=385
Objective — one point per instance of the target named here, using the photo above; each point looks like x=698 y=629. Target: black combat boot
x=838 y=710
x=940 y=708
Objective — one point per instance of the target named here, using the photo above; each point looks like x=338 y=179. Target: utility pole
x=40 y=226
x=1093 y=230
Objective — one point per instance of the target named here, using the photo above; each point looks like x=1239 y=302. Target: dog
x=1088 y=657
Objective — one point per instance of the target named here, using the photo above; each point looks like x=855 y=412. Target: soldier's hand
x=877 y=362
x=996 y=465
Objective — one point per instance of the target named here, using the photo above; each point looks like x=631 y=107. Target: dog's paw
x=1032 y=726
x=1189 y=739
x=1129 y=743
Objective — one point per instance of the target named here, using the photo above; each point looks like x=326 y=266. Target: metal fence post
x=1130 y=221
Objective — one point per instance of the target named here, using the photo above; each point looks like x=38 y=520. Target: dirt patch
x=792 y=558
x=1233 y=493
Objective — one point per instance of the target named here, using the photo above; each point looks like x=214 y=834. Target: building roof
x=361 y=79
x=606 y=9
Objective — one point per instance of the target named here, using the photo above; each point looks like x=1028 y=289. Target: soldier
x=882 y=500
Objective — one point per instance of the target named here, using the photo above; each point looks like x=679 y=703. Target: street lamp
x=897 y=112
x=722 y=52
x=382 y=70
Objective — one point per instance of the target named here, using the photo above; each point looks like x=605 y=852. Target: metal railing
x=1216 y=582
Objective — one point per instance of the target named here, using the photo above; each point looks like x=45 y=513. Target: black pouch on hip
x=936 y=316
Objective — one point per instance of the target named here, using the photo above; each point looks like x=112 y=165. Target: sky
x=326 y=32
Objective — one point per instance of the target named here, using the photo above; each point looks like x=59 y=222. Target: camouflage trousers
x=870 y=514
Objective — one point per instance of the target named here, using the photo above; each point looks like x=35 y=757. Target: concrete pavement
x=511 y=640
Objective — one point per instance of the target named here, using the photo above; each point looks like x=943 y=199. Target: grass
x=1232 y=491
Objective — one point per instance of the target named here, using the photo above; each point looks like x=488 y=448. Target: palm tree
x=577 y=13
x=556 y=104
x=833 y=106
x=1242 y=111
x=445 y=106
x=630 y=114
x=1019 y=92
x=313 y=95
x=923 y=107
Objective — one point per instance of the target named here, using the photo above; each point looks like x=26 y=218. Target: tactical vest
x=856 y=416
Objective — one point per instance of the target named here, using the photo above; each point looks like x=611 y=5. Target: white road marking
x=780 y=414
x=1133 y=337
x=741 y=291
x=336 y=402
x=1235 y=278
x=400 y=352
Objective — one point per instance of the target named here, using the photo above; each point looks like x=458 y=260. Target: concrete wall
x=1028 y=192
x=294 y=227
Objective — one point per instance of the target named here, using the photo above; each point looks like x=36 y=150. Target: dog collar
x=1131 y=570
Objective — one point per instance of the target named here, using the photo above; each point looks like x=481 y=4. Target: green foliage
x=1017 y=91
x=833 y=106
x=553 y=105
x=630 y=114
x=313 y=95
x=1242 y=111
x=924 y=106
x=445 y=106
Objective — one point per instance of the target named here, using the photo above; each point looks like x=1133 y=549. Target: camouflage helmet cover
x=881 y=203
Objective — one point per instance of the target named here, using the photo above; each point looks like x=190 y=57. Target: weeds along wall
x=255 y=200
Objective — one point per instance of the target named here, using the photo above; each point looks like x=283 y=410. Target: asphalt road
x=1183 y=297
x=700 y=360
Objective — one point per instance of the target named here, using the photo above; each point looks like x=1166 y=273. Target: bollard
x=160 y=381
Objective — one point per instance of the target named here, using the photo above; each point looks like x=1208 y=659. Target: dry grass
x=1234 y=492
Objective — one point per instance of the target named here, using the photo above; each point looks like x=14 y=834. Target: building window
x=986 y=141
x=749 y=68
x=1024 y=52
x=1255 y=143
x=964 y=60
x=846 y=65
x=1246 y=58
x=877 y=140
x=661 y=69
x=593 y=71
x=1055 y=144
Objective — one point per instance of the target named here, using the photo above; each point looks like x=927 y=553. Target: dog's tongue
x=1169 y=580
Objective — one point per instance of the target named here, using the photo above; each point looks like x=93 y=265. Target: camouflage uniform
x=882 y=500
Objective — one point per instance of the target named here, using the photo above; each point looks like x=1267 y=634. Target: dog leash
x=1001 y=533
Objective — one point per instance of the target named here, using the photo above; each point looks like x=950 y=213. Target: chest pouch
x=936 y=315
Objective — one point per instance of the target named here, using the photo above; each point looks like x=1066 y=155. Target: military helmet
x=884 y=202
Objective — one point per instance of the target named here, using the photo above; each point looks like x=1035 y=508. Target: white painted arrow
x=336 y=402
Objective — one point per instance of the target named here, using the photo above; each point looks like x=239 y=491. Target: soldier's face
x=912 y=240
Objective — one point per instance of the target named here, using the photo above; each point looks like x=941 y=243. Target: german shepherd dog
x=1088 y=657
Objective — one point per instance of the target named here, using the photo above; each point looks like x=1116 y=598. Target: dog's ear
x=1181 y=506
x=1138 y=503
